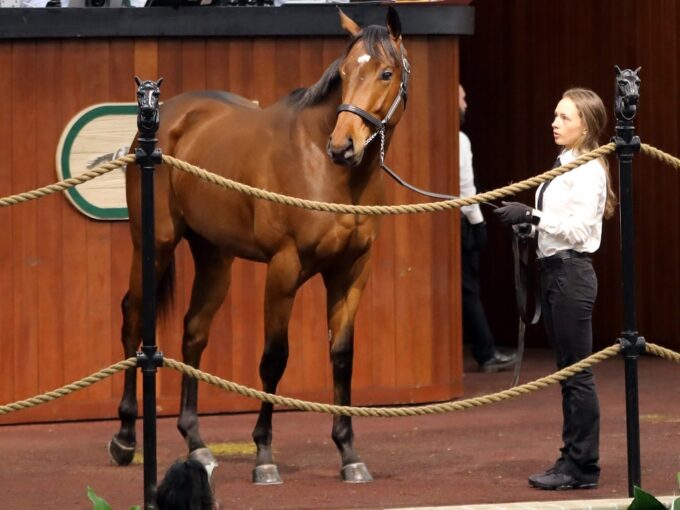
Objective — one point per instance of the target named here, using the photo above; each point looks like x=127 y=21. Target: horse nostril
x=349 y=148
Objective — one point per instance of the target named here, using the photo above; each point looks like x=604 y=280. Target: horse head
x=374 y=74
x=627 y=92
x=148 y=97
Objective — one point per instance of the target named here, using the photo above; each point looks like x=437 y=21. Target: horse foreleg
x=207 y=295
x=282 y=283
x=122 y=445
x=344 y=288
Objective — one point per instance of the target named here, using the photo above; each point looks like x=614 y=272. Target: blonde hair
x=594 y=116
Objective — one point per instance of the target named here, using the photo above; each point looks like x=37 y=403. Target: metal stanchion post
x=627 y=145
x=148 y=93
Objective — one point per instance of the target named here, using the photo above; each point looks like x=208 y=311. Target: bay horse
x=314 y=143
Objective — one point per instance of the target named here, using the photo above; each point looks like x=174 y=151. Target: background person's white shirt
x=573 y=206
x=467 y=180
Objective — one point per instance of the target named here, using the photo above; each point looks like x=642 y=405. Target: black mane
x=378 y=44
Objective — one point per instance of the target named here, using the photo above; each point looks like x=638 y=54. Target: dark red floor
x=481 y=455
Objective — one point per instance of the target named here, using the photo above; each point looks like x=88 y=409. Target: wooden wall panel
x=50 y=288
x=24 y=222
x=7 y=344
x=65 y=274
x=523 y=55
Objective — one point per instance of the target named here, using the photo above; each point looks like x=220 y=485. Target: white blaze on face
x=363 y=59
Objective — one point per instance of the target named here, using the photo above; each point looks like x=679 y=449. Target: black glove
x=513 y=213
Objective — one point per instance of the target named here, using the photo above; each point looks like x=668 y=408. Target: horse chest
x=350 y=236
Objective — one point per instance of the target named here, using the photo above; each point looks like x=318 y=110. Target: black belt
x=556 y=260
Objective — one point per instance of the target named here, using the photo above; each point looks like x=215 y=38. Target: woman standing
x=568 y=222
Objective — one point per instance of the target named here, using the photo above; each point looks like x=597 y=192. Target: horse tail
x=165 y=290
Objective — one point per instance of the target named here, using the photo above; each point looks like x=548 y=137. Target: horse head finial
x=627 y=93
x=148 y=100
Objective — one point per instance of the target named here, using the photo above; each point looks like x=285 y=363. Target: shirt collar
x=567 y=156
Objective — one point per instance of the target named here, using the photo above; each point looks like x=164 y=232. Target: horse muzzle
x=345 y=155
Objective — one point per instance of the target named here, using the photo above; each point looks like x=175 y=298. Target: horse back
x=231 y=136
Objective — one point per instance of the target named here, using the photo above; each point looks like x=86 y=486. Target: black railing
x=627 y=145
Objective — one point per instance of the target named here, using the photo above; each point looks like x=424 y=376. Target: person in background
x=568 y=221
x=476 y=329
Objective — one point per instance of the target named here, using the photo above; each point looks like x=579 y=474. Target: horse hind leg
x=211 y=282
x=122 y=446
x=281 y=286
x=344 y=289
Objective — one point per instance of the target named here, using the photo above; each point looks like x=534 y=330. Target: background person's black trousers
x=568 y=292
x=475 y=326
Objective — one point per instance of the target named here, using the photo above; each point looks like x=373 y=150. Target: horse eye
x=386 y=75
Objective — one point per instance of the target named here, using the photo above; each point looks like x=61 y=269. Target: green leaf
x=99 y=503
x=678 y=475
x=676 y=504
x=644 y=501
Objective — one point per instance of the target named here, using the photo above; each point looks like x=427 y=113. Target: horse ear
x=138 y=81
x=349 y=24
x=638 y=70
x=158 y=83
x=618 y=69
x=393 y=23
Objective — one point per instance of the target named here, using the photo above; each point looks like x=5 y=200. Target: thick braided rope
x=67 y=183
x=651 y=348
x=662 y=352
x=391 y=412
x=336 y=208
x=69 y=388
x=660 y=155
x=374 y=210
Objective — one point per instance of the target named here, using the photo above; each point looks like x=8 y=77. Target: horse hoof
x=266 y=474
x=356 y=472
x=205 y=457
x=120 y=453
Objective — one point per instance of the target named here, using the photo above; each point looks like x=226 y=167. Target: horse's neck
x=321 y=118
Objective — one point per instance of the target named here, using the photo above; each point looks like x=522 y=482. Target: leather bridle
x=381 y=125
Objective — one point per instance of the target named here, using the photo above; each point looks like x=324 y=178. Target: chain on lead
x=382 y=146
x=370 y=138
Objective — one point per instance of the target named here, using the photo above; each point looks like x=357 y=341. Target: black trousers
x=569 y=289
x=476 y=331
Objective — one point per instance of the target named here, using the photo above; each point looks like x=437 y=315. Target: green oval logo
x=98 y=134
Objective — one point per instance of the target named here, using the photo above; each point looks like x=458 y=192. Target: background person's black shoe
x=556 y=481
x=498 y=362
x=556 y=468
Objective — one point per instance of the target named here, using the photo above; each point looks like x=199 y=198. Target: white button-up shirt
x=467 y=180
x=573 y=205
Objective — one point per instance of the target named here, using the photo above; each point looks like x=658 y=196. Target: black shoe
x=557 y=467
x=498 y=362
x=556 y=481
